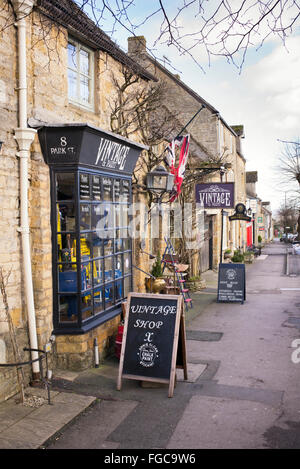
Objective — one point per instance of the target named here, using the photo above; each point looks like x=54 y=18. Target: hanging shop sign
x=232 y=283
x=240 y=213
x=88 y=146
x=153 y=336
x=215 y=195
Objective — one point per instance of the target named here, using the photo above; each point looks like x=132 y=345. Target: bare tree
x=219 y=28
x=289 y=172
x=225 y=28
x=289 y=162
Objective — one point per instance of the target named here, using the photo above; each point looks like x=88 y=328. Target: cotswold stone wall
x=10 y=249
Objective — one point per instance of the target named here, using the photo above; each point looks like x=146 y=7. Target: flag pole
x=186 y=125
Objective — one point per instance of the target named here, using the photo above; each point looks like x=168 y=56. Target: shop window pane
x=67 y=307
x=86 y=306
x=86 y=276
x=127 y=286
x=65 y=252
x=118 y=290
x=85 y=247
x=67 y=279
x=65 y=184
x=85 y=217
x=84 y=186
x=108 y=247
x=125 y=191
x=97 y=216
x=97 y=245
x=117 y=189
x=107 y=188
x=118 y=242
x=98 y=272
x=103 y=219
x=109 y=296
x=126 y=244
x=117 y=210
x=96 y=187
x=124 y=215
x=65 y=217
x=119 y=266
x=108 y=269
x=98 y=300
x=127 y=263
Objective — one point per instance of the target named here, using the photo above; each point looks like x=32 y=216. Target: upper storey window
x=80 y=75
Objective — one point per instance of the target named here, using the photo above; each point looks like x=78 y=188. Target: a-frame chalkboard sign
x=154 y=325
x=232 y=283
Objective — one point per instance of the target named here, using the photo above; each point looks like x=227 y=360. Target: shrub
x=157 y=268
x=238 y=256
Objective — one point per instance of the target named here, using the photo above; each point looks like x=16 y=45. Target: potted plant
x=238 y=256
x=195 y=283
x=157 y=285
x=227 y=254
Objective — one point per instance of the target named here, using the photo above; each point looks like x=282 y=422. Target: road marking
x=289 y=289
x=262 y=257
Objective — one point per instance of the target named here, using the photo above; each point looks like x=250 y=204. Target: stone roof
x=68 y=14
x=251 y=176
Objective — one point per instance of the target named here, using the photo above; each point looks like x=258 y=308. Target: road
x=243 y=388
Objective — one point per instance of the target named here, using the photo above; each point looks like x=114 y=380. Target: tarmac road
x=243 y=388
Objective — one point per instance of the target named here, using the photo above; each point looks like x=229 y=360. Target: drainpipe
x=24 y=137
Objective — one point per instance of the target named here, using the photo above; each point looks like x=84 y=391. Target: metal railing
x=42 y=354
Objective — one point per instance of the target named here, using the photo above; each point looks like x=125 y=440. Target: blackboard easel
x=231 y=283
x=153 y=343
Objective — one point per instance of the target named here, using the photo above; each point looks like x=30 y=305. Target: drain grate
x=204 y=336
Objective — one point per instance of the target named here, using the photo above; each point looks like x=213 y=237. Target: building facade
x=71 y=168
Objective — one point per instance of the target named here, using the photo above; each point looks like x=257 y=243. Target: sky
x=264 y=95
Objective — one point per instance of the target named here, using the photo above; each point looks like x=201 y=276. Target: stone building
x=261 y=213
x=66 y=182
x=62 y=171
x=221 y=147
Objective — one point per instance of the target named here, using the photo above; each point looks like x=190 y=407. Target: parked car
x=296 y=249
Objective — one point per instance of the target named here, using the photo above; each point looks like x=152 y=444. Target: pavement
x=242 y=389
x=33 y=424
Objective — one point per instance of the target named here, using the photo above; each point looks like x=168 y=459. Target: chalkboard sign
x=150 y=340
x=232 y=283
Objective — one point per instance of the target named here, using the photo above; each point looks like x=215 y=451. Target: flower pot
x=155 y=285
x=158 y=285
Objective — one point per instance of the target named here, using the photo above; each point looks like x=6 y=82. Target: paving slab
x=25 y=427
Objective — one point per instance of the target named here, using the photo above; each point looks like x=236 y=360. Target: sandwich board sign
x=232 y=283
x=154 y=326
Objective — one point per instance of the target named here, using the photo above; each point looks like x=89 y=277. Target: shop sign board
x=153 y=335
x=240 y=213
x=215 y=194
x=232 y=283
x=89 y=146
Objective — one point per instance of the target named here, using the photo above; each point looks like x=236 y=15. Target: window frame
x=81 y=324
x=78 y=101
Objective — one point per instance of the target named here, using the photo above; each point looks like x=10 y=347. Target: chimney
x=136 y=45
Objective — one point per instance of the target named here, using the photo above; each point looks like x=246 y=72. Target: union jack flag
x=183 y=143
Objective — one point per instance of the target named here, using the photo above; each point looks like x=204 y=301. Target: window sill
x=91 y=324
